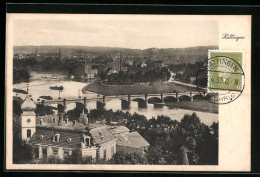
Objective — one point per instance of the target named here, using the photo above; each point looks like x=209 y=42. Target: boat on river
x=54 y=78
x=56 y=88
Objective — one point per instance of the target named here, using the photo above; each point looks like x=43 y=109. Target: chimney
x=74 y=122
x=60 y=120
x=60 y=117
x=41 y=121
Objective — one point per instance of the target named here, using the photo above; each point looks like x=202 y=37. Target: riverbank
x=198 y=105
x=156 y=88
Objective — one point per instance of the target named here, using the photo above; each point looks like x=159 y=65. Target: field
x=155 y=88
x=198 y=105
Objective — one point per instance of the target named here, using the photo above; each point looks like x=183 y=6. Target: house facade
x=61 y=138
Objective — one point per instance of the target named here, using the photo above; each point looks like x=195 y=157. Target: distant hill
x=198 y=53
x=79 y=49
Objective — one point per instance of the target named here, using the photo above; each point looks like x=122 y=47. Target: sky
x=136 y=34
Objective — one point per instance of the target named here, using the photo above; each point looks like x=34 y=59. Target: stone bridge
x=142 y=99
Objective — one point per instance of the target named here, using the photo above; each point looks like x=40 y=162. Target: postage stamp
x=221 y=77
x=225 y=71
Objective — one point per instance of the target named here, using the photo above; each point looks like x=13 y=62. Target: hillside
x=74 y=50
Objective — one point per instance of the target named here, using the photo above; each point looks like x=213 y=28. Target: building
x=50 y=136
x=28 y=118
x=92 y=141
x=114 y=66
x=128 y=142
x=79 y=73
x=91 y=70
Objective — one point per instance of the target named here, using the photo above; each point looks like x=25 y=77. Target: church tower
x=28 y=122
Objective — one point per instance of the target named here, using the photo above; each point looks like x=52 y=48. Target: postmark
x=221 y=77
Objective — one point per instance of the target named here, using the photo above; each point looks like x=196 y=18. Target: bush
x=51 y=160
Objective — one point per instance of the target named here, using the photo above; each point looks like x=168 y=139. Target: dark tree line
x=185 y=71
x=171 y=142
x=188 y=141
x=47 y=64
x=20 y=76
x=126 y=78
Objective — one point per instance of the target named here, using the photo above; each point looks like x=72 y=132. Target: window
x=56 y=138
x=105 y=154
x=55 y=152
x=36 y=151
x=66 y=153
x=44 y=153
x=87 y=141
x=28 y=133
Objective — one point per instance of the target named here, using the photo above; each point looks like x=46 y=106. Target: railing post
x=65 y=105
x=162 y=97
x=129 y=98
x=43 y=102
x=85 y=102
x=191 y=97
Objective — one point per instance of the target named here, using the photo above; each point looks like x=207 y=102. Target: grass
x=155 y=88
x=197 y=105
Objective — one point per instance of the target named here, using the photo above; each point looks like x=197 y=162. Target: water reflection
x=40 y=87
x=150 y=111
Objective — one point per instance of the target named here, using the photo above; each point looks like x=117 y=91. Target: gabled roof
x=64 y=135
x=28 y=104
x=118 y=129
x=101 y=135
x=133 y=139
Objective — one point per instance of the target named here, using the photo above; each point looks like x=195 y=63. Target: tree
x=20 y=76
x=22 y=151
x=128 y=158
x=102 y=76
x=74 y=158
x=165 y=74
x=17 y=108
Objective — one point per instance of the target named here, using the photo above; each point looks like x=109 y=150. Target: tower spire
x=59 y=54
x=36 y=52
x=120 y=61
x=27 y=89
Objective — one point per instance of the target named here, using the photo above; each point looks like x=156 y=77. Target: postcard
x=128 y=92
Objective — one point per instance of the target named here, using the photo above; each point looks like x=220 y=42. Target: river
x=40 y=83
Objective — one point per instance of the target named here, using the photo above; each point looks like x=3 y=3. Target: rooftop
x=28 y=104
x=133 y=139
x=98 y=132
x=118 y=129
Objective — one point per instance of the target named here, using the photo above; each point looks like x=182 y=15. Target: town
x=48 y=134
x=104 y=63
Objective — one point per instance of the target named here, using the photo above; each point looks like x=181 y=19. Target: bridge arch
x=154 y=100
x=96 y=104
x=138 y=99
x=141 y=102
x=73 y=105
x=116 y=104
x=169 y=99
x=198 y=97
x=184 y=98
